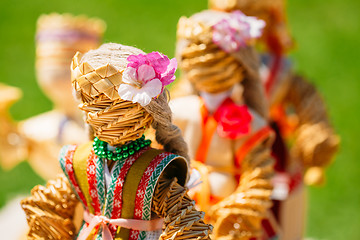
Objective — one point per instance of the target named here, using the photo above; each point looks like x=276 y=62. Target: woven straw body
x=182 y=220
x=50 y=210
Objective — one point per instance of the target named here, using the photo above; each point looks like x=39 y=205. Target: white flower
x=256 y=28
x=140 y=85
x=236 y=30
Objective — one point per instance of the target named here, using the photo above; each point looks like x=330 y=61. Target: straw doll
x=224 y=123
x=40 y=137
x=297 y=110
x=127 y=189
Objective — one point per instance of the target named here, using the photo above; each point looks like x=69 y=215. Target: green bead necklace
x=120 y=153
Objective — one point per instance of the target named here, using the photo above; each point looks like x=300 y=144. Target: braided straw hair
x=96 y=77
x=211 y=69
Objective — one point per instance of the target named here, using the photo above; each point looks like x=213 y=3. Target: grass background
x=327 y=36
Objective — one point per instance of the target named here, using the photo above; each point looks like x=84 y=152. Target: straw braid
x=167 y=134
x=50 y=210
x=313 y=149
x=239 y=216
x=182 y=220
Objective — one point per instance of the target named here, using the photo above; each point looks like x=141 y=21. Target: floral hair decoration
x=236 y=31
x=146 y=77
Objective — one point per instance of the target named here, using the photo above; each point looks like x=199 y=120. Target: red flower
x=233 y=120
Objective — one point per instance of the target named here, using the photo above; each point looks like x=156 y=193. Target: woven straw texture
x=211 y=69
x=194 y=35
x=239 y=216
x=315 y=141
x=249 y=7
x=58 y=38
x=12 y=145
x=113 y=120
x=205 y=65
x=50 y=210
x=182 y=220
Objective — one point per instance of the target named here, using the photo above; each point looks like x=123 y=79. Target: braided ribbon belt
x=94 y=221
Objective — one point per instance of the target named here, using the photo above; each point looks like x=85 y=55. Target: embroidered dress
x=130 y=189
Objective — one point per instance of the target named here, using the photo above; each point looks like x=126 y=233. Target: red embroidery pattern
x=70 y=172
x=117 y=205
x=140 y=193
x=91 y=177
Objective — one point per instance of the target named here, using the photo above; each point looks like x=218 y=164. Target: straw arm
x=316 y=142
x=13 y=145
x=239 y=216
x=181 y=219
x=50 y=210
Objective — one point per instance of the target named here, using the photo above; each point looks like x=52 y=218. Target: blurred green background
x=327 y=36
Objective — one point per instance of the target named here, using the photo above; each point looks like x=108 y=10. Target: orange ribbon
x=250 y=143
x=208 y=126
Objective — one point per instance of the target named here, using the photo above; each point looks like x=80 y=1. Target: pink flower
x=164 y=67
x=233 y=120
x=236 y=31
x=146 y=77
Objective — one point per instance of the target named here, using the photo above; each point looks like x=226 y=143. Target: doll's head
x=58 y=38
x=215 y=53
x=123 y=92
x=273 y=12
x=259 y=8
